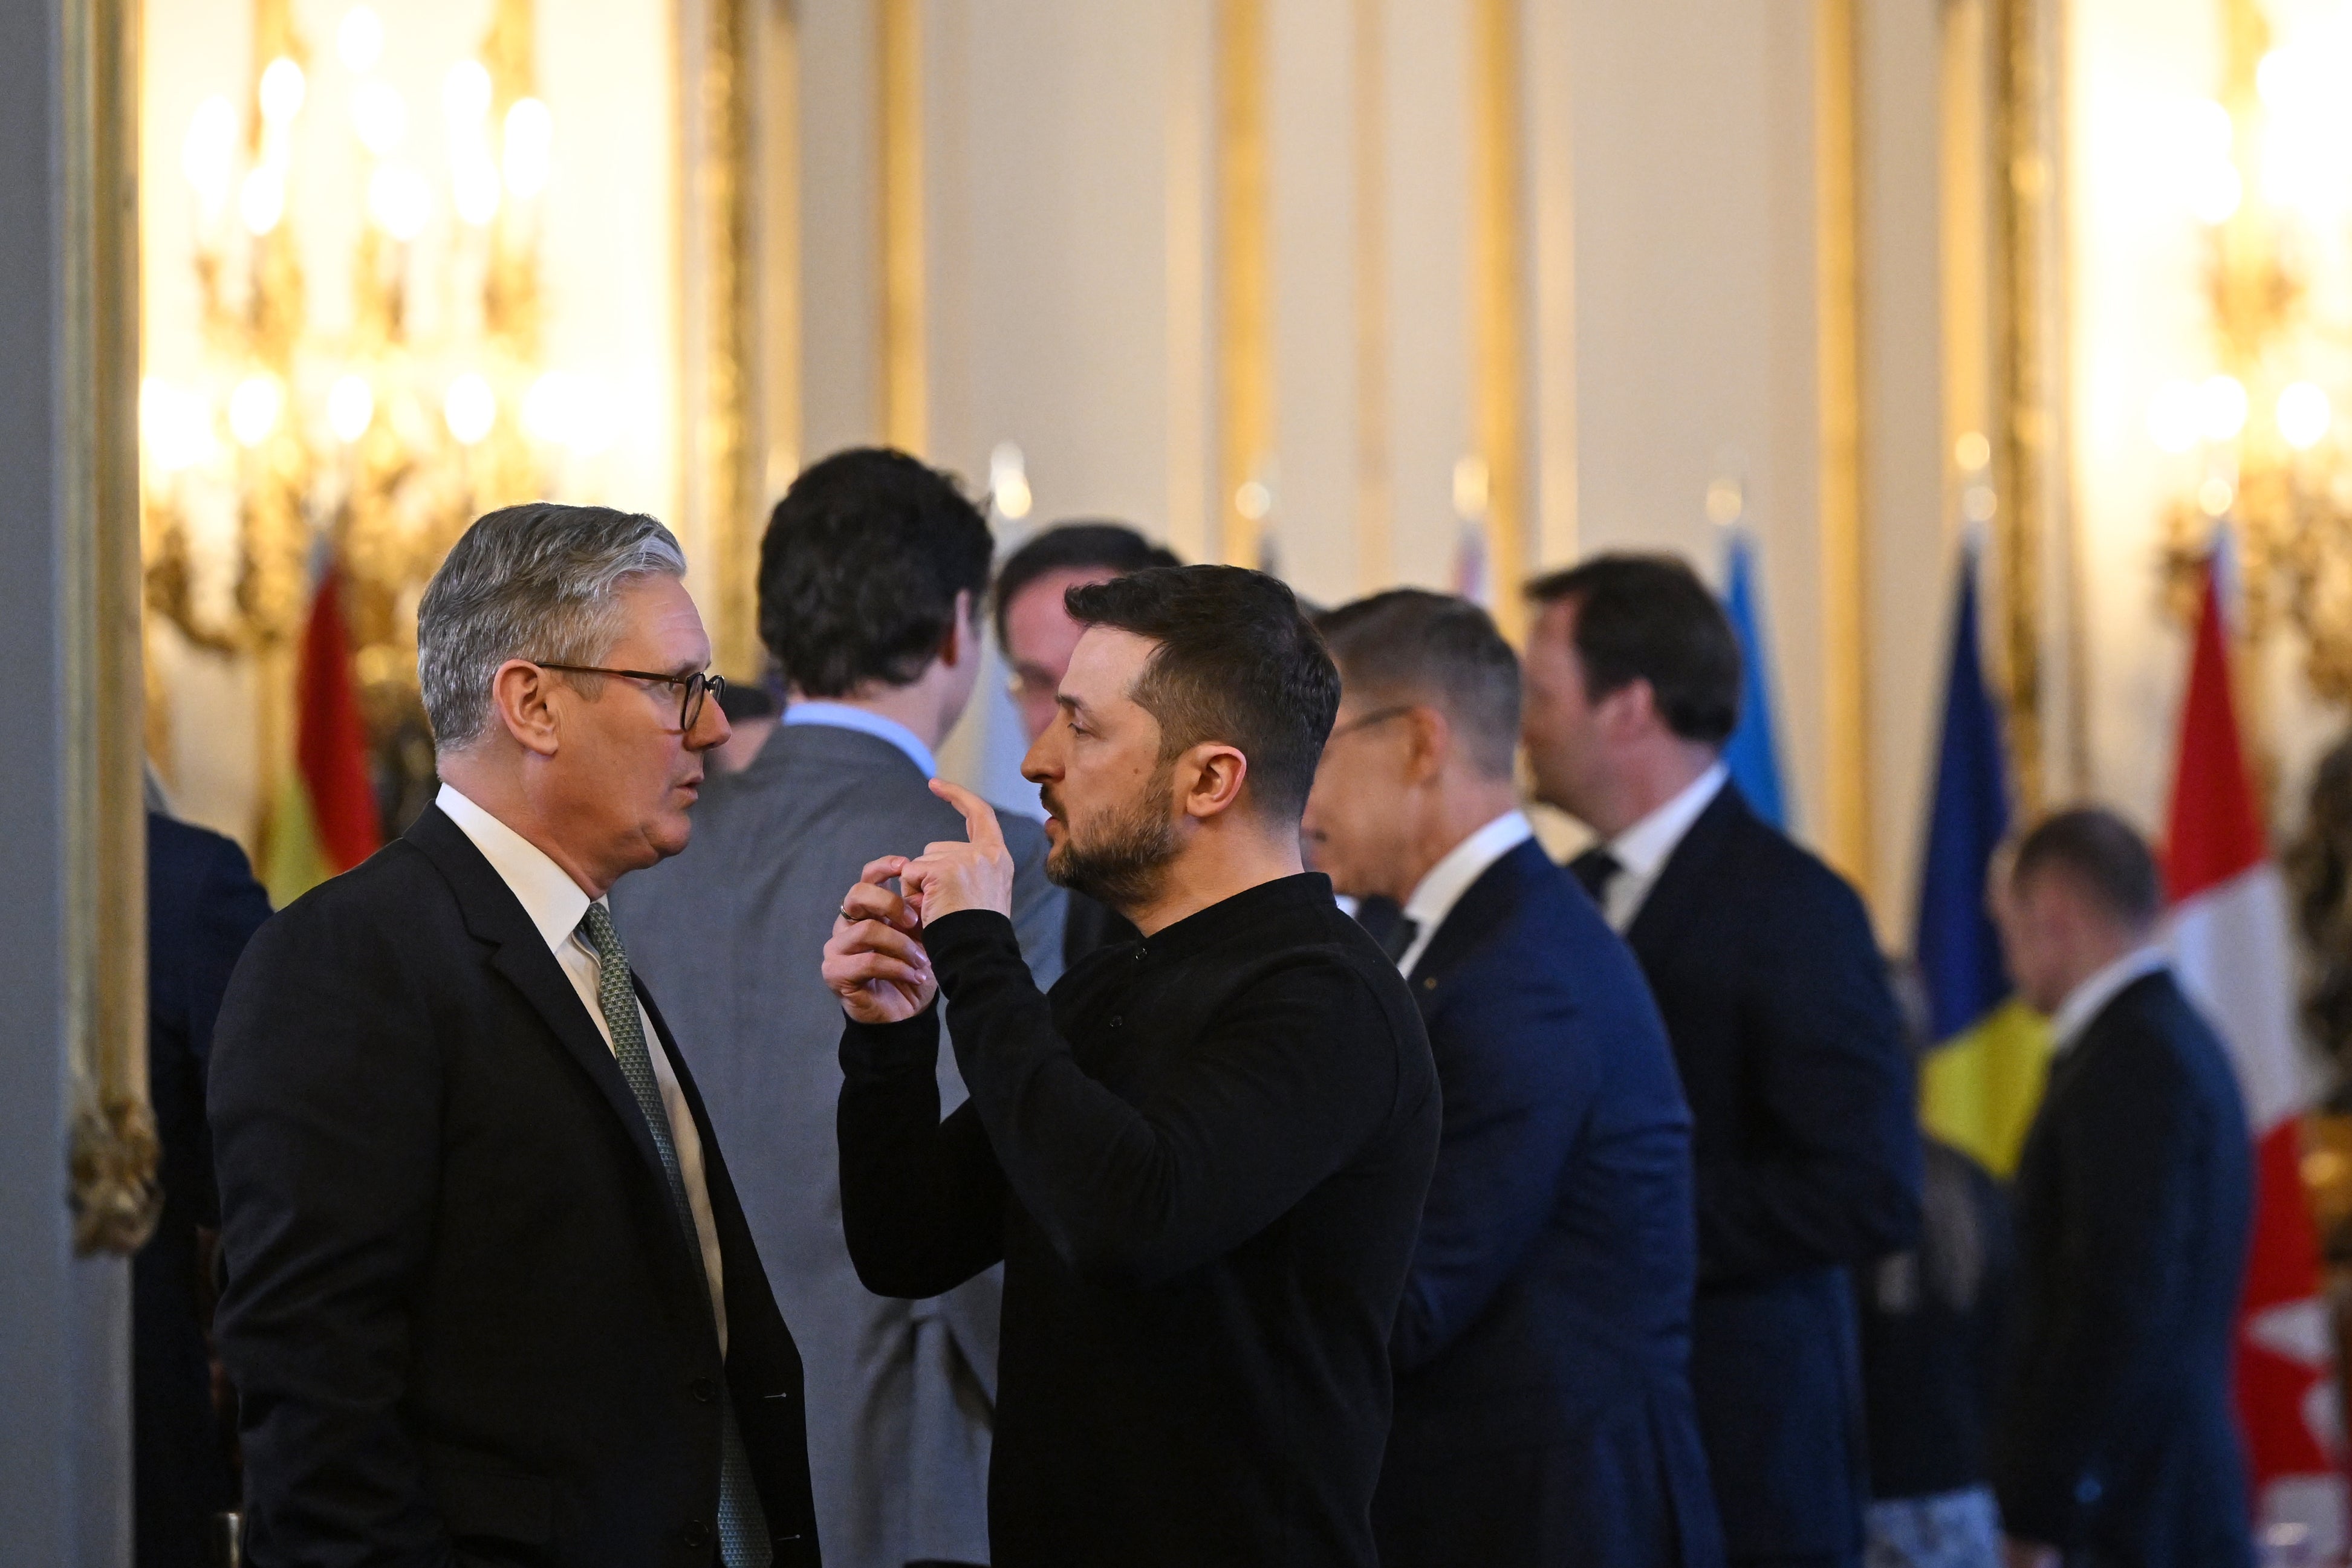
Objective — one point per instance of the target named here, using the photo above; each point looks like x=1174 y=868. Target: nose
x=711 y=727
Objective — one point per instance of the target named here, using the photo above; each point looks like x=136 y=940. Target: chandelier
x=2264 y=168
x=367 y=441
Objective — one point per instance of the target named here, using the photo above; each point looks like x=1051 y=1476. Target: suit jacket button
x=697 y=1534
x=703 y=1389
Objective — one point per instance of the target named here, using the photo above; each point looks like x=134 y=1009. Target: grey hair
x=1409 y=644
x=539 y=581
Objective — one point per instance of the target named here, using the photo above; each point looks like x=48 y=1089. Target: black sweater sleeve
x=922 y=1200
x=1277 y=1092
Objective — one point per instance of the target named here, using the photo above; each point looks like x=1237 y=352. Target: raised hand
x=951 y=875
x=874 y=960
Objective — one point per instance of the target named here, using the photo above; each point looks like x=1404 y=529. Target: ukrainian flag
x=1980 y=1087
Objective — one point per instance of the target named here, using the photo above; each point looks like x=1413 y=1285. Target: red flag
x=2231 y=948
x=329 y=740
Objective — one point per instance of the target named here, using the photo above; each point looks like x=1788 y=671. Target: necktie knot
x=597 y=926
x=1596 y=869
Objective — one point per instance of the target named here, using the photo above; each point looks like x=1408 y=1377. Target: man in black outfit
x=1201 y=1158
x=1034 y=629
x=2115 y=1442
x=1763 y=963
x=491 y=1298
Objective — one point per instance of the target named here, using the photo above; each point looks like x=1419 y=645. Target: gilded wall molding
x=1499 y=300
x=906 y=357
x=1244 y=286
x=113 y=1151
x=722 y=460
x=1843 y=547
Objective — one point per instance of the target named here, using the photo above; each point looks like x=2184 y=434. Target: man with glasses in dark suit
x=491 y=1296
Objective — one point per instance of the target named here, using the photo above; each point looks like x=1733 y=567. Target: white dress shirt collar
x=2087 y=1001
x=1643 y=850
x=1442 y=887
x=555 y=903
x=841 y=715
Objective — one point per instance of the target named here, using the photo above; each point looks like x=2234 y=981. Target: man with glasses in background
x=1037 y=632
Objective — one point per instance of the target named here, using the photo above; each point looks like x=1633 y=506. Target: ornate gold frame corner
x=113 y=1150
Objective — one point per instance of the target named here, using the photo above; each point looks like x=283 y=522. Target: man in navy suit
x=2114 y=1443
x=1543 y=1406
x=1763 y=963
x=203 y=906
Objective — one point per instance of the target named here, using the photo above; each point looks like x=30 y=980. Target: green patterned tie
x=742 y=1525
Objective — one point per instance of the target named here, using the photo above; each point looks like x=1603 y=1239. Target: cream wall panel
x=1908 y=537
x=1313 y=131
x=1427 y=155
x=841 y=226
x=1695 y=306
x=1049 y=315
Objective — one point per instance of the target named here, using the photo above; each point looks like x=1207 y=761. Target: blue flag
x=1958 y=953
x=1752 y=754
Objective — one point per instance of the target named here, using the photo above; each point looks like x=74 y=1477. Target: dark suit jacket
x=2134 y=1200
x=1543 y=1406
x=202 y=905
x=1807 y=1149
x=460 y=1313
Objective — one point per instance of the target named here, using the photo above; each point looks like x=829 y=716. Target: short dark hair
x=2100 y=854
x=1237 y=662
x=1409 y=642
x=1649 y=617
x=1089 y=544
x=860 y=569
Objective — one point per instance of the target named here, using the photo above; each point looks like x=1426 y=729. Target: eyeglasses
x=1378 y=715
x=692 y=688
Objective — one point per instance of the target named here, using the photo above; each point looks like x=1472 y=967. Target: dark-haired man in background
x=1763 y=963
x=1203 y=1157
x=1038 y=634
x=1543 y=1406
x=2115 y=1443
x=871 y=578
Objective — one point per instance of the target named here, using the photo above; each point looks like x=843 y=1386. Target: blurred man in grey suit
x=872 y=580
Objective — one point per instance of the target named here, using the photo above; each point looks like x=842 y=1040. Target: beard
x=1120 y=857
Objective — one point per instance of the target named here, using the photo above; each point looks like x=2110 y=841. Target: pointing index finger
x=979 y=816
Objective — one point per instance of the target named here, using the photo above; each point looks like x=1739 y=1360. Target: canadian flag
x=2231 y=948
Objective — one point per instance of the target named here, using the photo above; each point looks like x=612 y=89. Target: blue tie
x=742 y=1525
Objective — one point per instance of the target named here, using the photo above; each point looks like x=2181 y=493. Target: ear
x=962 y=641
x=524 y=696
x=1631 y=710
x=1430 y=742
x=1209 y=779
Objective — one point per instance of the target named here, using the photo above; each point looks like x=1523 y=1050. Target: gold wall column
x=1843 y=571
x=722 y=460
x=906 y=401
x=1499 y=310
x=113 y=1150
x=1245 y=300
x=778 y=50
x=2024 y=362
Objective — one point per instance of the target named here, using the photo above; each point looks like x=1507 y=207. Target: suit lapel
x=1683 y=878
x=495 y=915
x=1483 y=905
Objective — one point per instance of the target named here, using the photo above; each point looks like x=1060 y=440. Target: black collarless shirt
x=1201 y=1161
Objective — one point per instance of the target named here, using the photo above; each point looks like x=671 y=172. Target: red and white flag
x=2233 y=952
